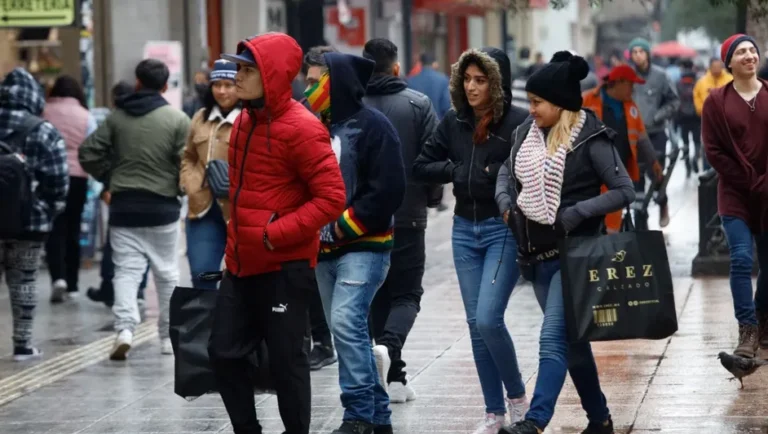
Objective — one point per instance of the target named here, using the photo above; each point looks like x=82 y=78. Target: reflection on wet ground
x=675 y=385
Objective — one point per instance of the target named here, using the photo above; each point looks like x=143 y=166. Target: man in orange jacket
x=612 y=103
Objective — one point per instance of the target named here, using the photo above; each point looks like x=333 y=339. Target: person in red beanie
x=613 y=104
x=735 y=136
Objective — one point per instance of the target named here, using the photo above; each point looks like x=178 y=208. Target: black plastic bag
x=191 y=318
x=617 y=287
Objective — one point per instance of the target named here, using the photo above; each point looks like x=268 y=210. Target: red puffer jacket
x=281 y=169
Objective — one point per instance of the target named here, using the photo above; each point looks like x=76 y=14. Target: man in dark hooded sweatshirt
x=397 y=303
x=355 y=249
x=137 y=153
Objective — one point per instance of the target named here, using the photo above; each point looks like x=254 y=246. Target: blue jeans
x=347 y=285
x=206 y=240
x=485 y=251
x=556 y=355
x=740 y=241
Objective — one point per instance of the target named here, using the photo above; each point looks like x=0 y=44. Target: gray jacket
x=657 y=99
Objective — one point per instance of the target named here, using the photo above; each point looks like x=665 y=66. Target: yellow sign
x=37 y=13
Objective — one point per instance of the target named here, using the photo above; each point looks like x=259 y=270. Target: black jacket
x=415 y=120
x=452 y=156
x=591 y=163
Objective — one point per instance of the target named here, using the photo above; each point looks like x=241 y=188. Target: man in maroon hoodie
x=735 y=136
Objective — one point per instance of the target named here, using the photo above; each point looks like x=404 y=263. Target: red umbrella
x=673 y=49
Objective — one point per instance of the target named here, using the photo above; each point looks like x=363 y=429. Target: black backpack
x=685 y=92
x=16 y=196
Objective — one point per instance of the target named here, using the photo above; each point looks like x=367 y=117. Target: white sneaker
x=400 y=393
x=381 y=354
x=166 y=348
x=491 y=425
x=517 y=409
x=122 y=345
x=58 y=291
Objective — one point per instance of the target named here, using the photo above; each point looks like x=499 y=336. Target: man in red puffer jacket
x=284 y=186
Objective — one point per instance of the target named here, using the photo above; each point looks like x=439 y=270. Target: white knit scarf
x=541 y=175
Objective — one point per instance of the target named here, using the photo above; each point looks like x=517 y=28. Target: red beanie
x=730 y=44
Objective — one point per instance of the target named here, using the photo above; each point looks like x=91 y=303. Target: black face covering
x=201 y=89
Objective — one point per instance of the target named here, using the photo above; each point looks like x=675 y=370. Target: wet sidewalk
x=674 y=385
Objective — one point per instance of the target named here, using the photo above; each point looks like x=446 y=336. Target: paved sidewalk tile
x=674 y=385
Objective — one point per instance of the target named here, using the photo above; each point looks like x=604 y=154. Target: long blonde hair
x=560 y=134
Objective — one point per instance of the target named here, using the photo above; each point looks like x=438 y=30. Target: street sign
x=37 y=13
x=170 y=53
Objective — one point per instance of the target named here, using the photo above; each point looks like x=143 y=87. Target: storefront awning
x=455 y=7
x=471 y=7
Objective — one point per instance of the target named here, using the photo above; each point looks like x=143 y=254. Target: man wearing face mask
x=355 y=249
x=284 y=186
x=322 y=353
x=734 y=131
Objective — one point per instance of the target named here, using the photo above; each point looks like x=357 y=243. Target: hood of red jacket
x=278 y=57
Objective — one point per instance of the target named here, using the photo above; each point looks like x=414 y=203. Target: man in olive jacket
x=137 y=154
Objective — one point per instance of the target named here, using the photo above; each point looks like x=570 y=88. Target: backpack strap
x=15 y=138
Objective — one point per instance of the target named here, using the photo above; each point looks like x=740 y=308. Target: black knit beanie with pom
x=559 y=81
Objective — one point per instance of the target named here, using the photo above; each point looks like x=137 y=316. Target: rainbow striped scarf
x=319 y=95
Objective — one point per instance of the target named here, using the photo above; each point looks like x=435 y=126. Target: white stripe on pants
x=132 y=249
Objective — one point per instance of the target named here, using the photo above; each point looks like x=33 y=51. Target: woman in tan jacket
x=208 y=140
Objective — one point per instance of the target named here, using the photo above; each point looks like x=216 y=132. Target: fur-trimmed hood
x=495 y=63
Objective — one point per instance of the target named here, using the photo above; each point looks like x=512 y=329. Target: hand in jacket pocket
x=459 y=170
x=460 y=176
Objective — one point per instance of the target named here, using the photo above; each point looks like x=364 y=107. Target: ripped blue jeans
x=347 y=285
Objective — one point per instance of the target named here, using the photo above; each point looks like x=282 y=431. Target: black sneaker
x=321 y=356
x=522 y=427
x=354 y=427
x=599 y=428
x=98 y=296
x=382 y=429
x=23 y=354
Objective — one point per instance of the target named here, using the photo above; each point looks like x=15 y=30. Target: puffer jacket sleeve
x=433 y=164
x=318 y=168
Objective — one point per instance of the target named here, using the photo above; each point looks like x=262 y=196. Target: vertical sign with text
x=170 y=53
x=276 y=16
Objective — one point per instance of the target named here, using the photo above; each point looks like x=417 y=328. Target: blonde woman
x=547 y=189
x=208 y=139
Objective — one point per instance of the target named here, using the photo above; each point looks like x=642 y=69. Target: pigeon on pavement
x=740 y=367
